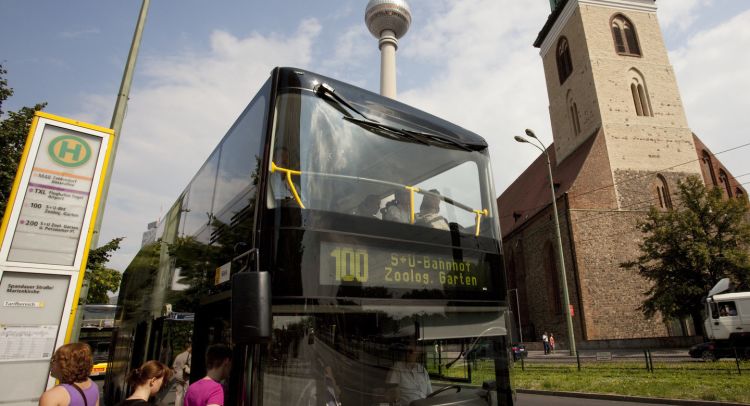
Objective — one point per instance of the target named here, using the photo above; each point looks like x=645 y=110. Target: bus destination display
x=344 y=264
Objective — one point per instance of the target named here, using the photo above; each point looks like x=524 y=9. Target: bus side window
x=714 y=310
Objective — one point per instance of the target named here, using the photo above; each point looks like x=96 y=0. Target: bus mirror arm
x=245 y=259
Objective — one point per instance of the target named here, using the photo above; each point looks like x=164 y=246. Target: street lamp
x=561 y=258
x=518 y=311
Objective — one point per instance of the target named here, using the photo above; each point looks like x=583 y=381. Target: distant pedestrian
x=545 y=341
x=146 y=382
x=208 y=391
x=551 y=342
x=71 y=364
x=181 y=368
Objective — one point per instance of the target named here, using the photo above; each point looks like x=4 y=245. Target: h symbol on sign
x=65 y=149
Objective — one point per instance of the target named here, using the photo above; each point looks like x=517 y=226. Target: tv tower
x=388 y=20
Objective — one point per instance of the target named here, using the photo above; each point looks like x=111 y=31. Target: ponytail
x=149 y=370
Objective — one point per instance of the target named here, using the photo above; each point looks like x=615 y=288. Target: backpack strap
x=85 y=402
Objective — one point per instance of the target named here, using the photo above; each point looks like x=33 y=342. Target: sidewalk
x=562 y=353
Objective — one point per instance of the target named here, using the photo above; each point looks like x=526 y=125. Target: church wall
x=611 y=295
x=593 y=188
x=566 y=141
x=527 y=245
x=638 y=143
x=637 y=189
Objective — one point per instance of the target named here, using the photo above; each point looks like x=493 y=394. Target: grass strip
x=710 y=381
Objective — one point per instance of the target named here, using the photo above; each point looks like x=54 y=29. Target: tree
x=687 y=250
x=13 y=132
x=102 y=279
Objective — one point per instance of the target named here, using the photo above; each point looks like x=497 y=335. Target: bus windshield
x=333 y=354
x=324 y=161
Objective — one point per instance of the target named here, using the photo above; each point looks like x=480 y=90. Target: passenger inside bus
x=429 y=212
x=410 y=377
x=369 y=207
x=398 y=209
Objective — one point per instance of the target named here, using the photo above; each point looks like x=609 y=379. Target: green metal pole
x=561 y=258
x=118 y=116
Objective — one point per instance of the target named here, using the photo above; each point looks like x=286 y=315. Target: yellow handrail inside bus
x=289 y=173
x=411 y=190
x=479 y=214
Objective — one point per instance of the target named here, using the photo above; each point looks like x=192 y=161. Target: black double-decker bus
x=345 y=245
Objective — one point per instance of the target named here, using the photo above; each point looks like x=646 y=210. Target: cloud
x=679 y=15
x=180 y=107
x=711 y=69
x=487 y=76
x=354 y=51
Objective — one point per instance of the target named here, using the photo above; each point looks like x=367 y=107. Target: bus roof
x=291 y=78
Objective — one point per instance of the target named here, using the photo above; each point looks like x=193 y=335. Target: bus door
x=212 y=326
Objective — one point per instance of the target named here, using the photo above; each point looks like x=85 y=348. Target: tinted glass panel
x=240 y=155
x=353 y=169
x=200 y=197
x=330 y=354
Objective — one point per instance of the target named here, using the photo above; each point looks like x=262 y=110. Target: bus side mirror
x=251 y=307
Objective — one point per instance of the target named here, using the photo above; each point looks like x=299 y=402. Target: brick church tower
x=621 y=144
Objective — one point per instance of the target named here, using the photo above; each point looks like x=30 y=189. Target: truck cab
x=728 y=317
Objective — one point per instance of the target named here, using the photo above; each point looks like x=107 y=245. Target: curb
x=625 y=398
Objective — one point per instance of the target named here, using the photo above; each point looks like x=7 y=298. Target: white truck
x=727 y=323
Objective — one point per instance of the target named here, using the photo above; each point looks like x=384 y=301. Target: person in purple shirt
x=71 y=364
x=208 y=391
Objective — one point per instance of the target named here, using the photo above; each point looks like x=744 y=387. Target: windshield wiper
x=386 y=131
x=324 y=89
x=411 y=134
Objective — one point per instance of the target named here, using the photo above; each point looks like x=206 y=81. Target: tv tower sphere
x=393 y=15
x=388 y=20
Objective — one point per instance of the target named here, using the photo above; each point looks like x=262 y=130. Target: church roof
x=530 y=192
x=734 y=183
x=550 y=22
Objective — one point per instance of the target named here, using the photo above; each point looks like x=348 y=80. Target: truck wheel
x=708 y=356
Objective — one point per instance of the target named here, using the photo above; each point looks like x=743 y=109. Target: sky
x=469 y=61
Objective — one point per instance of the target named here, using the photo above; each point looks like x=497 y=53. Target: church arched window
x=724 y=179
x=706 y=159
x=564 y=62
x=552 y=278
x=624 y=36
x=575 y=121
x=738 y=193
x=662 y=190
x=639 y=92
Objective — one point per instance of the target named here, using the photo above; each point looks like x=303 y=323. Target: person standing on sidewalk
x=181 y=368
x=551 y=342
x=147 y=381
x=545 y=341
x=71 y=364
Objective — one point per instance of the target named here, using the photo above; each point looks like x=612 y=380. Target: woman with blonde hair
x=71 y=364
x=146 y=381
